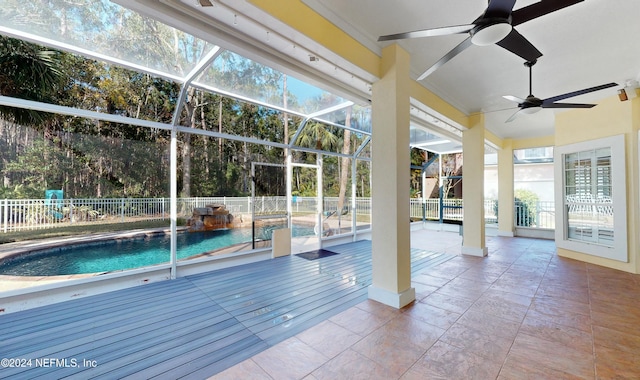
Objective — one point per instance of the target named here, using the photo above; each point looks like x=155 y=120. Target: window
x=535 y=153
x=591 y=207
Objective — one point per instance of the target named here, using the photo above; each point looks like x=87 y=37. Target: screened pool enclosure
x=123 y=106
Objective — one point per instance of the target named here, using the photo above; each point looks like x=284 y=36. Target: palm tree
x=29 y=72
x=318 y=136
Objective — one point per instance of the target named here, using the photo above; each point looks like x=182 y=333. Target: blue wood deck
x=191 y=327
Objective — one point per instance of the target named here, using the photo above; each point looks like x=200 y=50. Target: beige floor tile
x=556 y=314
x=552 y=355
x=444 y=361
x=615 y=364
x=548 y=330
x=630 y=310
x=414 y=331
x=329 y=338
x=626 y=323
x=379 y=309
x=432 y=315
x=515 y=369
x=248 y=369
x=567 y=292
x=359 y=321
x=478 y=342
x=352 y=365
x=427 y=279
x=510 y=297
x=387 y=350
x=291 y=359
x=563 y=304
x=524 y=287
x=492 y=325
x=622 y=341
x=446 y=302
x=422 y=290
x=500 y=308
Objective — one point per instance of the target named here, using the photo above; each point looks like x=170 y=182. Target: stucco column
x=473 y=188
x=505 y=189
x=390 y=181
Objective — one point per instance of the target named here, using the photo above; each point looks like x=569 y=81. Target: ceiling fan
x=495 y=25
x=532 y=104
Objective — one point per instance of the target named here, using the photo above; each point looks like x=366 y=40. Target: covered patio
x=197 y=325
x=521 y=312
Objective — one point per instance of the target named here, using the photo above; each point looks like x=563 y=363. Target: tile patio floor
x=520 y=313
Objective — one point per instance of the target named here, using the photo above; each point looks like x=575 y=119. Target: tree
x=29 y=72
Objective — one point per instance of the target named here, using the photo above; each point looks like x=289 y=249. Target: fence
x=535 y=214
x=31 y=214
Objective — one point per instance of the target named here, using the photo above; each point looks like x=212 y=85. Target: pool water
x=113 y=255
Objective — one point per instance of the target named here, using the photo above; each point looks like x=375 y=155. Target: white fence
x=31 y=214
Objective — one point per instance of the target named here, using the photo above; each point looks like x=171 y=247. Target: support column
x=391 y=254
x=473 y=188
x=505 y=189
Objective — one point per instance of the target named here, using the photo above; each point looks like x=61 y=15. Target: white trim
x=505 y=233
x=619 y=250
x=397 y=300
x=475 y=251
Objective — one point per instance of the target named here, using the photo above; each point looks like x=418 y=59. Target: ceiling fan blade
x=520 y=46
x=499 y=8
x=514 y=98
x=538 y=9
x=445 y=31
x=513 y=117
x=456 y=50
x=567 y=105
x=580 y=92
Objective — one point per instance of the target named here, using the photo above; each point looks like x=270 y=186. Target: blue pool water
x=113 y=255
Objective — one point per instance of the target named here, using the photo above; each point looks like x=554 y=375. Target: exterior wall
x=537 y=178
x=611 y=117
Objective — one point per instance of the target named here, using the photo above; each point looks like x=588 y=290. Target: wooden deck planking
x=121 y=342
x=194 y=326
x=74 y=303
x=88 y=343
x=54 y=324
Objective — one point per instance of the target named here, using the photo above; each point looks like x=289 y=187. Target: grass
x=83 y=229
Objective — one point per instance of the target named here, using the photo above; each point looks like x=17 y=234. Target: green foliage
x=526 y=207
x=30 y=72
x=88 y=158
x=526 y=203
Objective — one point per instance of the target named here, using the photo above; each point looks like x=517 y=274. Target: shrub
x=526 y=207
x=526 y=203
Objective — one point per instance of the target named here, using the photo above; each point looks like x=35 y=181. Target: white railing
x=31 y=214
x=540 y=214
x=451 y=209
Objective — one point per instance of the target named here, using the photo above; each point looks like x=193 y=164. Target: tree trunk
x=285 y=116
x=190 y=108
x=220 y=131
x=205 y=139
x=345 y=163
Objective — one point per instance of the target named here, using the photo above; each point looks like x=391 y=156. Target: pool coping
x=13 y=282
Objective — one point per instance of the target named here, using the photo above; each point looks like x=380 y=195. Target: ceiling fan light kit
x=531 y=110
x=533 y=104
x=490 y=34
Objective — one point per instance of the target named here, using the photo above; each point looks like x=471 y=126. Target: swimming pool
x=120 y=254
